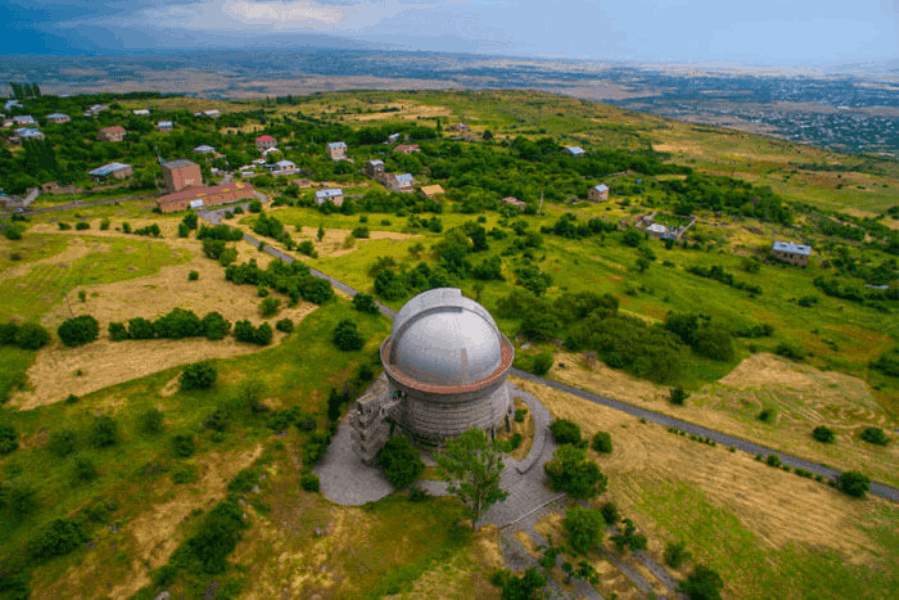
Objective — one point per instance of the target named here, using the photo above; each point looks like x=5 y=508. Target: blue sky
x=764 y=32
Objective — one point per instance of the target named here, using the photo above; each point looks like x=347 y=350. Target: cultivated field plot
x=746 y=520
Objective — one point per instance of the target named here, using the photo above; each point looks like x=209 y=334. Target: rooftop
x=602 y=188
x=329 y=193
x=204 y=148
x=792 y=248
x=108 y=169
x=181 y=162
x=57 y=116
x=335 y=145
x=114 y=129
x=575 y=150
x=164 y=124
x=265 y=138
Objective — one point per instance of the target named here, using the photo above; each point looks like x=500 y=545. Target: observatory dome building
x=445 y=365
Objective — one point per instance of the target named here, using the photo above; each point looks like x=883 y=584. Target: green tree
x=676 y=554
x=583 y=528
x=78 y=331
x=632 y=237
x=151 y=421
x=32 y=336
x=365 y=303
x=853 y=484
x=400 y=462
x=473 y=463
x=62 y=442
x=527 y=586
x=104 y=432
x=825 y=435
x=9 y=439
x=571 y=472
x=565 y=432
x=321 y=233
x=183 y=445
x=198 y=376
x=269 y=306
x=347 y=336
x=602 y=442
x=678 y=396
x=702 y=584
x=875 y=435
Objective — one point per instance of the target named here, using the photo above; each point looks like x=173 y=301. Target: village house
x=459 y=127
x=432 y=191
x=212 y=114
x=512 y=201
x=302 y=183
x=283 y=167
x=181 y=174
x=23 y=133
x=164 y=126
x=598 y=193
x=204 y=149
x=12 y=104
x=116 y=170
x=788 y=252
x=337 y=150
x=401 y=182
x=8 y=122
x=374 y=169
x=393 y=138
x=58 y=118
x=207 y=196
x=142 y=112
x=111 y=134
x=94 y=110
x=573 y=150
x=657 y=230
x=268 y=151
x=24 y=120
x=407 y=148
x=265 y=142
x=334 y=196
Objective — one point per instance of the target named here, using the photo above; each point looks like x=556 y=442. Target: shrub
x=676 y=554
x=62 y=442
x=216 y=537
x=117 y=331
x=85 y=469
x=183 y=445
x=263 y=335
x=9 y=439
x=365 y=303
x=566 y=432
x=790 y=352
x=520 y=413
x=853 y=484
x=217 y=421
x=104 y=432
x=365 y=373
x=269 y=306
x=347 y=337
x=284 y=325
x=543 y=363
x=583 y=528
x=702 y=584
x=151 y=421
x=602 y=442
x=78 y=331
x=875 y=435
x=59 y=538
x=184 y=474
x=678 y=396
x=140 y=329
x=773 y=460
x=31 y=336
x=400 y=462
x=255 y=207
x=13 y=232
x=610 y=513
x=569 y=471
x=417 y=494
x=198 y=376
x=215 y=326
x=360 y=232
x=527 y=586
x=768 y=415
x=104 y=224
x=824 y=435
x=310 y=482
x=65 y=226
x=193 y=276
x=82 y=225
x=8 y=333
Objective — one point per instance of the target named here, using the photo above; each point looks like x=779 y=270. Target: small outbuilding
x=141 y=112
x=598 y=193
x=432 y=191
x=58 y=118
x=407 y=148
x=794 y=254
x=264 y=142
x=337 y=150
x=115 y=170
x=204 y=149
x=164 y=126
x=573 y=150
x=333 y=195
x=111 y=134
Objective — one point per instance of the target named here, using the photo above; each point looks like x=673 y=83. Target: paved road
x=877 y=489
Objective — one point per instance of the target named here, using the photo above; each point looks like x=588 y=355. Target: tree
x=269 y=306
x=676 y=554
x=32 y=336
x=583 y=528
x=602 y=442
x=853 y=484
x=566 y=432
x=62 y=442
x=321 y=233
x=543 y=362
x=473 y=463
x=610 y=513
x=825 y=435
x=642 y=264
x=875 y=435
x=347 y=337
x=198 y=376
x=487 y=135
x=365 y=303
x=9 y=439
x=632 y=237
x=527 y=586
x=183 y=445
x=571 y=472
x=702 y=584
x=105 y=432
x=400 y=462
x=678 y=396
x=78 y=331
x=151 y=421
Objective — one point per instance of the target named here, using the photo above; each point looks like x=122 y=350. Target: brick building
x=204 y=197
x=265 y=142
x=111 y=134
x=598 y=193
x=181 y=174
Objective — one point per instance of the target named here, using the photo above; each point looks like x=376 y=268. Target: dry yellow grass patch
x=778 y=507
x=78 y=248
x=406 y=112
x=104 y=363
x=152 y=537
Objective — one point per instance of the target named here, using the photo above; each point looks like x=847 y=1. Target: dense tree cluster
x=78 y=331
x=178 y=324
x=293 y=280
x=400 y=462
x=28 y=335
x=720 y=193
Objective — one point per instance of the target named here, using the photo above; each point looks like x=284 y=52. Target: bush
x=365 y=303
x=193 y=276
x=85 y=469
x=82 y=225
x=117 y=331
x=853 y=484
x=216 y=537
x=151 y=421
x=310 y=482
x=104 y=432
x=400 y=462
x=565 y=432
x=65 y=226
x=602 y=442
x=183 y=445
x=702 y=584
x=678 y=396
x=9 y=440
x=62 y=442
x=215 y=326
x=31 y=336
x=824 y=435
x=360 y=232
x=790 y=352
x=773 y=460
x=347 y=337
x=543 y=363
x=198 y=376
x=571 y=472
x=59 y=538
x=13 y=232
x=269 y=306
x=520 y=413
x=284 y=325
x=875 y=435
x=583 y=528
x=8 y=333
x=78 y=331
x=768 y=415
x=255 y=207
x=676 y=554
x=527 y=586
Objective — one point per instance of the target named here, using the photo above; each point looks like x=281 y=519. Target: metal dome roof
x=442 y=338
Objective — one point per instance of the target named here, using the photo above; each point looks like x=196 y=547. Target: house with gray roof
x=164 y=126
x=29 y=133
x=333 y=195
x=573 y=150
x=115 y=170
x=401 y=182
x=58 y=118
x=598 y=193
x=204 y=149
x=24 y=120
x=788 y=252
x=337 y=150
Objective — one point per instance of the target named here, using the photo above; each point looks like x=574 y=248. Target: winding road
x=877 y=489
